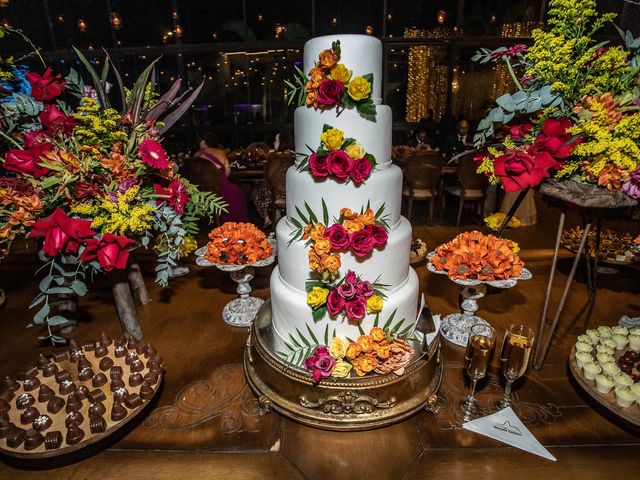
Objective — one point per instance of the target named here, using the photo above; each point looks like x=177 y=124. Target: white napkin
x=430 y=337
x=506 y=427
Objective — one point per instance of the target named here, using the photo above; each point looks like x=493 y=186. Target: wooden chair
x=422 y=173
x=275 y=175
x=472 y=185
x=204 y=174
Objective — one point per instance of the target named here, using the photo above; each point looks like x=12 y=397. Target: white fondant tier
x=382 y=187
x=373 y=134
x=290 y=311
x=361 y=54
x=390 y=263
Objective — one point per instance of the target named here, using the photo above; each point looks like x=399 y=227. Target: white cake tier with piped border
x=374 y=135
x=290 y=312
x=359 y=53
x=388 y=264
x=383 y=187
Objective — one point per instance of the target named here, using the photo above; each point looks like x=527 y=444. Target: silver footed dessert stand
x=241 y=311
x=455 y=326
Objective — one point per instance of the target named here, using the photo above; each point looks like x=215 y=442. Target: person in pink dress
x=232 y=194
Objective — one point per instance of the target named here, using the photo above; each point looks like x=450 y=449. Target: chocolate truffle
x=118 y=412
x=131 y=356
x=31 y=384
x=74 y=435
x=149 y=352
x=49 y=369
x=116 y=383
x=131 y=343
x=15 y=437
x=25 y=400
x=136 y=366
x=60 y=356
x=42 y=422
x=146 y=391
x=157 y=359
x=83 y=363
x=53 y=440
x=33 y=439
x=9 y=384
x=42 y=361
x=82 y=392
x=101 y=351
x=135 y=379
x=89 y=346
x=85 y=374
x=141 y=347
x=75 y=355
x=66 y=387
x=97 y=409
x=8 y=395
x=73 y=344
x=55 y=405
x=31 y=373
x=151 y=378
x=133 y=400
x=115 y=372
x=105 y=364
x=62 y=375
x=120 y=341
x=97 y=425
x=4 y=416
x=120 y=351
x=120 y=394
x=99 y=379
x=73 y=403
x=73 y=419
x=29 y=415
x=105 y=340
x=45 y=393
x=96 y=395
x=5 y=427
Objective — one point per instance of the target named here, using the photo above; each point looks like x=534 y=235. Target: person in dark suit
x=420 y=138
x=459 y=141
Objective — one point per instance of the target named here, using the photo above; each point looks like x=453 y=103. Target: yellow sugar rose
x=338 y=347
x=341 y=73
x=355 y=151
x=317 y=297
x=341 y=369
x=374 y=303
x=359 y=89
x=332 y=138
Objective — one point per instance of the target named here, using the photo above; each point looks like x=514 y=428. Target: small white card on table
x=506 y=427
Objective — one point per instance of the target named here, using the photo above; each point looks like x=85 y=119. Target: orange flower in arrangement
x=353 y=351
x=368 y=218
x=366 y=343
x=475 y=256
x=364 y=364
x=382 y=349
x=377 y=334
x=237 y=244
x=328 y=58
x=637 y=240
x=330 y=263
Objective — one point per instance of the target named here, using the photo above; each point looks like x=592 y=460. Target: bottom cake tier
x=292 y=316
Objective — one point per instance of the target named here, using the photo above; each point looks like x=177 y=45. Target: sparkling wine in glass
x=514 y=357
x=482 y=339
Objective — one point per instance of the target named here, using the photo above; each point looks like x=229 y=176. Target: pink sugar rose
x=318 y=165
x=356 y=308
x=360 y=170
x=320 y=364
x=347 y=290
x=330 y=92
x=350 y=277
x=338 y=237
x=378 y=234
x=362 y=242
x=335 y=303
x=364 y=289
x=339 y=164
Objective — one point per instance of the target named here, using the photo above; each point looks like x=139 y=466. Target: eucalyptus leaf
x=41 y=314
x=57 y=320
x=79 y=287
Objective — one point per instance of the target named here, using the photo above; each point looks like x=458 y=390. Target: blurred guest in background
x=233 y=195
x=261 y=195
x=421 y=139
x=459 y=141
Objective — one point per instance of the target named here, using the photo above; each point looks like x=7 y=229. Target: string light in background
x=82 y=25
x=368 y=30
x=116 y=21
x=519 y=29
x=334 y=21
x=441 y=17
x=60 y=18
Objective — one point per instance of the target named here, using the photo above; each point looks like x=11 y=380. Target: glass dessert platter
x=455 y=326
x=241 y=311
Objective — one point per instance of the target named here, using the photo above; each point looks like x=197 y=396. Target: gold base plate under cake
x=349 y=404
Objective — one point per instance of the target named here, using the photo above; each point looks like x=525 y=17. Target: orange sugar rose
x=382 y=350
x=377 y=334
x=368 y=218
x=364 y=364
x=353 y=350
x=365 y=342
x=328 y=59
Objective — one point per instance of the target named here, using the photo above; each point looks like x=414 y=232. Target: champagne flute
x=482 y=339
x=514 y=357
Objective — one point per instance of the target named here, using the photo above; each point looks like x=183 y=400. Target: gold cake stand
x=349 y=404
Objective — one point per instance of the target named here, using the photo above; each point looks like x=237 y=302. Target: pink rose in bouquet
x=356 y=308
x=360 y=170
x=55 y=121
x=378 y=234
x=339 y=164
x=347 y=290
x=61 y=233
x=554 y=139
x=362 y=242
x=335 y=303
x=318 y=165
x=46 y=87
x=364 y=289
x=330 y=92
x=320 y=364
x=350 y=277
x=35 y=137
x=338 y=237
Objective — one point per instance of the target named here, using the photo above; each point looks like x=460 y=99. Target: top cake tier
x=361 y=54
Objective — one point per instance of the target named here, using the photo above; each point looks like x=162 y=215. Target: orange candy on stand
x=475 y=256
x=236 y=243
